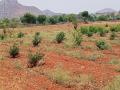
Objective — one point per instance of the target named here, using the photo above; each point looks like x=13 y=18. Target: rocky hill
x=12 y=9
x=106 y=11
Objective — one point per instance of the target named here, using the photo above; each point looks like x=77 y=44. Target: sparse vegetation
x=18 y=65
x=114 y=85
x=1 y=58
x=65 y=78
x=85 y=50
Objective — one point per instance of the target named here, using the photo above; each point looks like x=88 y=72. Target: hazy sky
x=73 y=6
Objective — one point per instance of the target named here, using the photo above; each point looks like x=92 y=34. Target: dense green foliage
x=28 y=19
x=84 y=16
x=53 y=20
x=41 y=19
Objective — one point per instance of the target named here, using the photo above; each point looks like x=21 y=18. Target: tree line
x=29 y=18
x=84 y=16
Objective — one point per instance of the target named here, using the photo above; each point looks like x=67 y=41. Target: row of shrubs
x=59 y=39
x=77 y=35
x=89 y=31
x=33 y=58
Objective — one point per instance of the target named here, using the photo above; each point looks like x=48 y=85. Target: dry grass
x=114 y=85
x=67 y=79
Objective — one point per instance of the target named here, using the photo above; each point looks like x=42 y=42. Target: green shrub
x=106 y=25
x=89 y=33
x=112 y=36
x=37 y=33
x=113 y=29
x=20 y=35
x=99 y=29
x=14 y=51
x=28 y=18
x=84 y=30
x=41 y=19
x=75 y=24
x=60 y=37
x=118 y=28
x=101 y=45
x=77 y=38
x=2 y=37
x=93 y=29
x=36 y=40
x=34 y=59
x=102 y=32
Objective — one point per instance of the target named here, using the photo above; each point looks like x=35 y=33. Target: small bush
x=102 y=32
x=89 y=33
x=75 y=24
x=106 y=25
x=60 y=37
x=84 y=30
x=115 y=28
x=2 y=37
x=14 y=51
x=20 y=35
x=93 y=29
x=77 y=38
x=36 y=39
x=112 y=36
x=118 y=28
x=34 y=59
x=37 y=33
x=101 y=45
